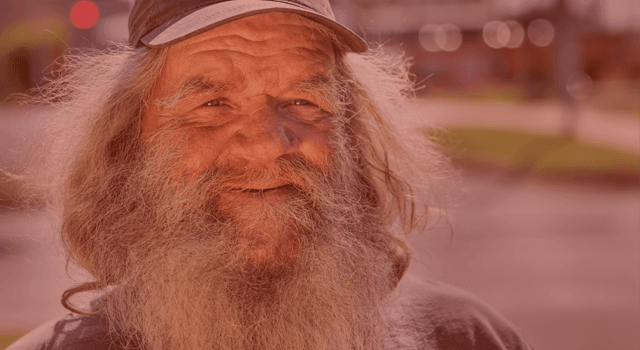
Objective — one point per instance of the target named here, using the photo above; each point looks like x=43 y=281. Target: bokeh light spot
x=84 y=14
x=579 y=85
x=427 y=38
x=445 y=37
x=541 y=32
x=448 y=37
x=496 y=34
x=516 y=36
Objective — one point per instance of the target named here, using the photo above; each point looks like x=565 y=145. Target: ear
x=401 y=258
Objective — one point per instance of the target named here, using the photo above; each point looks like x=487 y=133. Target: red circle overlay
x=84 y=14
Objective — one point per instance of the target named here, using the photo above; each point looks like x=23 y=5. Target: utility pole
x=567 y=64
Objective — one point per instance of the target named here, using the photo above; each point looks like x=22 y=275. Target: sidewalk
x=606 y=128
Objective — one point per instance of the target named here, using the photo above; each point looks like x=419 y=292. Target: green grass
x=539 y=154
x=512 y=93
x=7 y=339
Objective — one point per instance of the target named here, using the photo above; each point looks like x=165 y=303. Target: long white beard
x=191 y=286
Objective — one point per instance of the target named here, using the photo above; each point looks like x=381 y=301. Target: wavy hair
x=97 y=101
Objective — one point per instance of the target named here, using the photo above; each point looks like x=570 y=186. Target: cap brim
x=209 y=17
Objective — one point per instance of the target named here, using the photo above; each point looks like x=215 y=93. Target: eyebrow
x=320 y=82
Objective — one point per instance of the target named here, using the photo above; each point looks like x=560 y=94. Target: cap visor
x=209 y=17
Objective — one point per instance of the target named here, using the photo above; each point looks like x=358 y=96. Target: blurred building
x=544 y=45
x=35 y=33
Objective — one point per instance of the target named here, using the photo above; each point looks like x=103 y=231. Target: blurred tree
x=27 y=47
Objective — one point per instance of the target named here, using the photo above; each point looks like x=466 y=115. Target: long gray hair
x=97 y=102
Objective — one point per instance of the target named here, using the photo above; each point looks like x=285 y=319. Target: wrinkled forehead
x=263 y=36
x=263 y=52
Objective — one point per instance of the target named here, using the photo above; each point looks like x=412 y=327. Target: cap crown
x=147 y=15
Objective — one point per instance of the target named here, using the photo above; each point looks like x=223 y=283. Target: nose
x=263 y=137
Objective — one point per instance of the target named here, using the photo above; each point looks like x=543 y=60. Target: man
x=230 y=181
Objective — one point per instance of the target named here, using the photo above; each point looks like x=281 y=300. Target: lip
x=279 y=192
x=259 y=191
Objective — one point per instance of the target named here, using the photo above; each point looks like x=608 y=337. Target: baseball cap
x=160 y=23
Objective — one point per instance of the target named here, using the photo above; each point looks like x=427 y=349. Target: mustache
x=287 y=170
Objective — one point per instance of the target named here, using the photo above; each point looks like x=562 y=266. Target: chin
x=270 y=248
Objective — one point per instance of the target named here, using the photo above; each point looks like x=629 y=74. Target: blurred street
x=560 y=260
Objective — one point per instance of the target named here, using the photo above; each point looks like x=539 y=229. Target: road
x=561 y=261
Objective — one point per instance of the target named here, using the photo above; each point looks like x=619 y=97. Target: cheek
x=200 y=150
x=190 y=152
x=315 y=147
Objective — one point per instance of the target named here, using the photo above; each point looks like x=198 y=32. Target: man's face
x=244 y=95
x=241 y=92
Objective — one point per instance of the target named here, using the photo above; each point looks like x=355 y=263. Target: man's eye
x=304 y=110
x=213 y=103
x=300 y=103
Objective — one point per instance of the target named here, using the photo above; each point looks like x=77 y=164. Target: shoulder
x=71 y=332
x=447 y=318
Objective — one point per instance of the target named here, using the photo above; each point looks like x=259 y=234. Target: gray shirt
x=430 y=315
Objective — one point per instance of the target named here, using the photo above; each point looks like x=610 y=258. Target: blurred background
x=536 y=101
